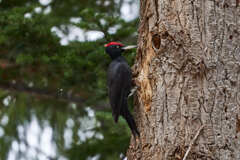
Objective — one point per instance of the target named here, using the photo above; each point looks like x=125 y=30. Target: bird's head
x=115 y=49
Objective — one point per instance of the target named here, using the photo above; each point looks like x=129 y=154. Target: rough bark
x=188 y=70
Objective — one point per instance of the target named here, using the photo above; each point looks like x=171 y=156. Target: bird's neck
x=116 y=57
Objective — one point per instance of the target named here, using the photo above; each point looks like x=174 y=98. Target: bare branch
x=192 y=142
x=45 y=93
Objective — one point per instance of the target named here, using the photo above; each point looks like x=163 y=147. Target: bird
x=119 y=82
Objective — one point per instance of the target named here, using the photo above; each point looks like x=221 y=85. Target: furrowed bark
x=187 y=69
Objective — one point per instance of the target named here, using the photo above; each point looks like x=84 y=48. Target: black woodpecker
x=119 y=79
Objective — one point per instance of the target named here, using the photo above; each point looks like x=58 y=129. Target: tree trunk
x=187 y=70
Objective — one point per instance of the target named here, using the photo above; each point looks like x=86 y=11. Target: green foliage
x=112 y=145
x=39 y=76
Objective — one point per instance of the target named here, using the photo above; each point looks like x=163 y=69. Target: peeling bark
x=187 y=69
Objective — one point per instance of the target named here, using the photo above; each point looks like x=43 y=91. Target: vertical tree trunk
x=188 y=71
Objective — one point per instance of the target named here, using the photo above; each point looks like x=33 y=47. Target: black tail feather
x=131 y=123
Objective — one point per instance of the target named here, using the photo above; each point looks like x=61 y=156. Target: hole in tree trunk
x=156 y=41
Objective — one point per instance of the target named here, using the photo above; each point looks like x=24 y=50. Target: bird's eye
x=117 y=46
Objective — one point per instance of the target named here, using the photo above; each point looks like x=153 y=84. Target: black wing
x=119 y=85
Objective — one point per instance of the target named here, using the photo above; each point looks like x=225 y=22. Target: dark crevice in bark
x=156 y=8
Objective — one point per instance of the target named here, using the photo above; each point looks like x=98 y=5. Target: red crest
x=113 y=43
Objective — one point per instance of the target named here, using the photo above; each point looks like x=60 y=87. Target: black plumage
x=119 y=79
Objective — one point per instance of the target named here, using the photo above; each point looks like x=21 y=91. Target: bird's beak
x=105 y=45
x=129 y=47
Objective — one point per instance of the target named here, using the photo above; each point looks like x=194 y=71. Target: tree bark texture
x=188 y=72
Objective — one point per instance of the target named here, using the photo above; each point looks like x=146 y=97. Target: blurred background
x=53 y=95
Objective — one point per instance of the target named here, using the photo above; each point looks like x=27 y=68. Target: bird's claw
x=133 y=90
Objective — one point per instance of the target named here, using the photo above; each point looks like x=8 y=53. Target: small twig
x=192 y=142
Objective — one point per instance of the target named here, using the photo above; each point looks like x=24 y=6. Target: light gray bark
x=188 y=72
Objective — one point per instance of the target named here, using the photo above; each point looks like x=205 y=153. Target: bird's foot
x=133 y=90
